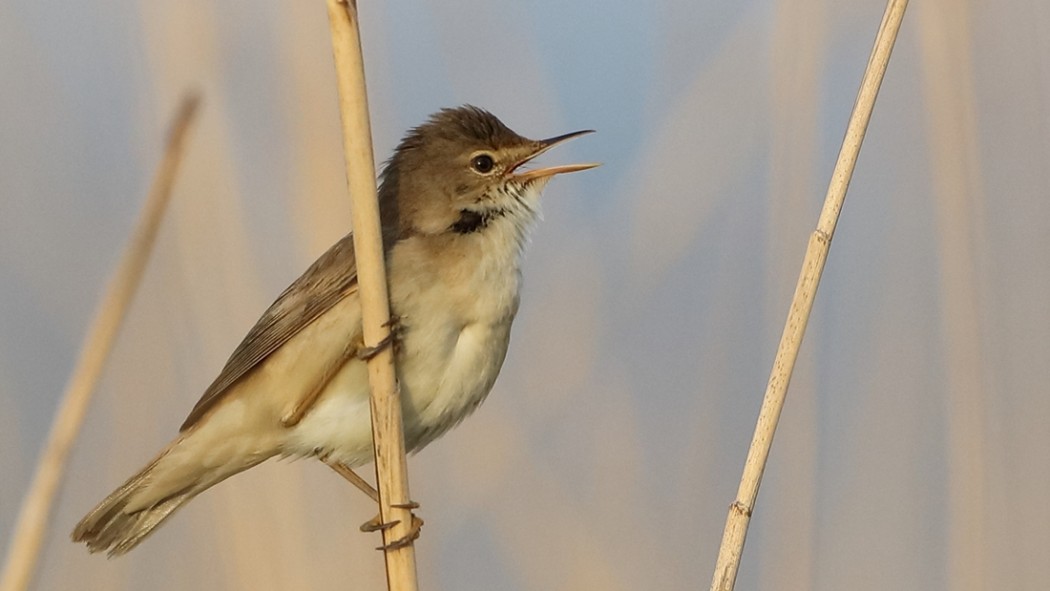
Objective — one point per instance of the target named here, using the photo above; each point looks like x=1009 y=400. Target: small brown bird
x=456 y=203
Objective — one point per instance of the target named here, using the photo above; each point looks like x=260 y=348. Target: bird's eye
x=482 y=163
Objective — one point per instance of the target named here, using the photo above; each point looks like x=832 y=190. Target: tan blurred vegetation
x=912 y=453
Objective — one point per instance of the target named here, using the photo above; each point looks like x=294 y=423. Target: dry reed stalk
x=812 y=266
x=35 y=514
x=387 y=431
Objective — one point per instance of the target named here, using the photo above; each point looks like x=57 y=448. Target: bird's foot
x=377 y=524
x=395 y=326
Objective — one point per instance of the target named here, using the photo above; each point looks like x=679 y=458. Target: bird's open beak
x=547 y=144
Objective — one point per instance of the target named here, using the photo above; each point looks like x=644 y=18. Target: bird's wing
x=330 y=279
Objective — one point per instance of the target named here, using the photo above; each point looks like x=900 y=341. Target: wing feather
x=330 y=279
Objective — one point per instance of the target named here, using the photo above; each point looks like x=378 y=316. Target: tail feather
x=117 y=525
x=195 y=461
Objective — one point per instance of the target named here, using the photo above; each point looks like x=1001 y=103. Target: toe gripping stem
x=391 y=339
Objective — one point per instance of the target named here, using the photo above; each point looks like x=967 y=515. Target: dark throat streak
x=471 y=221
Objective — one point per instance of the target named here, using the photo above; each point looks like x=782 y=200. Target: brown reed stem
x=35 y=514
x=802 y=303
x=387 y=430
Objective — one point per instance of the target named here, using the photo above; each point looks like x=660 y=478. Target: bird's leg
x=376 y=523
x=348 y=473
x=366 y=353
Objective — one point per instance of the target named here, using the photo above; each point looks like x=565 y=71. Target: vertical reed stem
x=798 y=316
x=387 y=431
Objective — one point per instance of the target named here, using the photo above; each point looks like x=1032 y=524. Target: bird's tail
x=130 y=513
x=119 y=523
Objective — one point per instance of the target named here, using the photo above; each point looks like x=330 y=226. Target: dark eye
x=482 y=163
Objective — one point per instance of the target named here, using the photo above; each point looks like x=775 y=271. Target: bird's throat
x=471 y=221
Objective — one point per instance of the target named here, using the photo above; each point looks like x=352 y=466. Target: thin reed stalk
x=802 y=303
x=387 y=431
x=35 y=513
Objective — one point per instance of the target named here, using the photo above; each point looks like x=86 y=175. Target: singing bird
x=457 y=202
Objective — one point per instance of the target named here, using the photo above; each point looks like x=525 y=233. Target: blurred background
x=914 y=451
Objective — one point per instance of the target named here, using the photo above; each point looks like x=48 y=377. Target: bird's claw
x=407 y=539
x=394 y=324
x=376 y=524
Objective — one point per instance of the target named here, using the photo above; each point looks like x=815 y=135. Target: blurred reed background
x=913 y=450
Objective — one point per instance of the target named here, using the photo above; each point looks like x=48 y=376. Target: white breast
x=456 y=334
x=456 y=314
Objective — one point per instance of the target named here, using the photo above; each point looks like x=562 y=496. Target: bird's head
x=462 y=170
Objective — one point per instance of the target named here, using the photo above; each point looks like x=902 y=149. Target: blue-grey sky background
x=913 y=453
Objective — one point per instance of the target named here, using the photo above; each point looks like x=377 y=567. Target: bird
x=457 y=201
